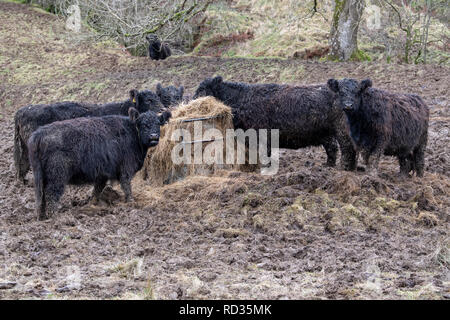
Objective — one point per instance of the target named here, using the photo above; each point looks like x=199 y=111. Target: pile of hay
x=159 y=168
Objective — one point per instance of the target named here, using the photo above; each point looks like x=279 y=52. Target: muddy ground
x=307 y=232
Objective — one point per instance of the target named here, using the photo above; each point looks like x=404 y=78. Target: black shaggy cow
x=304 y=115
x=384 y=122
x=156 y=49
x=169 y=96
x=31 y=117
x=90 y=150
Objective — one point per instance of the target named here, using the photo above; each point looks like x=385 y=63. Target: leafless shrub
x=405 y=30
x=128 y=21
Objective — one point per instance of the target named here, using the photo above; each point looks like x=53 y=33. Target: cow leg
x=56 y=178
x=22 y=162
x=419 y=160
x=99 y=185
x=418 y=156
x=125 y=184
x=53 y=192
x=405 y=165
x=349 y=157
x=372 y=161
x=331 y=148
x=40 y=205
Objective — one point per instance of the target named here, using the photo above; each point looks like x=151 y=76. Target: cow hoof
x=347 y=167
x=404 y=175
x=43 y=217
x=94 y=201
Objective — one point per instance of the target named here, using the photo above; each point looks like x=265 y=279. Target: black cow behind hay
x=305 y=115
x=170 y=96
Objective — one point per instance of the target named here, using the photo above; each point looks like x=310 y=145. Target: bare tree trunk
x=426 y=27
x=344 y=28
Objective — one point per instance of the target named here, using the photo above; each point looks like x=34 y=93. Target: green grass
x=283 y=27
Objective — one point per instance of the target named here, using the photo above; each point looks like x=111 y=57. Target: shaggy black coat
x=304 y=115
x=169 y=96
x=156 y=49
x=90 y=150
x=382 y=122
x=27 y=119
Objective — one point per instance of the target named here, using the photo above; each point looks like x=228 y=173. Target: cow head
x=349 y=92
x=148 y=125
x=169 y=95
x=209 y=87
x=151 y=37
x=145 y=100
x=154 y=42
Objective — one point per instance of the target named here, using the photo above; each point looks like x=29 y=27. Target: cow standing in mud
x=27 y=119
x=384 y=122
x=90 y=150
x=305 y=115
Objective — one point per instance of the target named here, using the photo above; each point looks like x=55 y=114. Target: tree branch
x=398 y=13
x=179 y=14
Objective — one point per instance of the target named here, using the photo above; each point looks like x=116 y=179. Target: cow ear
x=133 y=114
x=217 y=80
x=365 y=84
x=181 y=89
x=164 y=117
x=134 y=95
x=333 y=85
x=158 y=89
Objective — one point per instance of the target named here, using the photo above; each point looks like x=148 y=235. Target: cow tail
x=18 y=150
x=36 y=164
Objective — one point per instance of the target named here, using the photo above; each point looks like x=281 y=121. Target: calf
x=27 y=119
x=90 y=150
x=156 y=49
x=169 y=96
x=304 y=115
x=384 y=122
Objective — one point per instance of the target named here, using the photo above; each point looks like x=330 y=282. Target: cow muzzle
x=154 y=139
x=348 y=107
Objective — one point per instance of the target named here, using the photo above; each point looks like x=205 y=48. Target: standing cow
x=156 y=49
x=27 y=119
x=384 y=122
x=90 y=150
x=305 y=115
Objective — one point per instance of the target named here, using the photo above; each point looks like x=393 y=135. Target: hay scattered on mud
x=159 y=168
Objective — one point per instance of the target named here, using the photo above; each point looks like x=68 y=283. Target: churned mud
x=307 y=232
